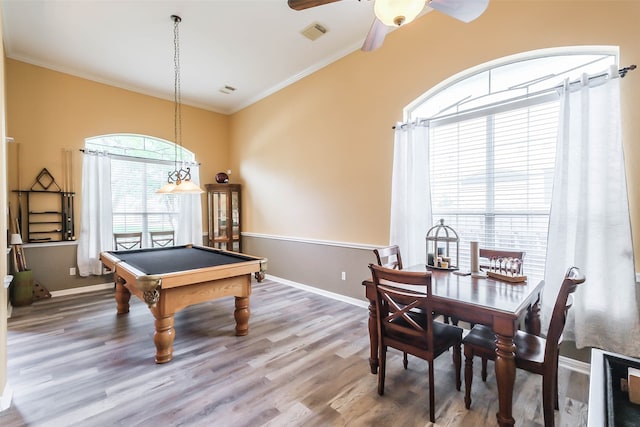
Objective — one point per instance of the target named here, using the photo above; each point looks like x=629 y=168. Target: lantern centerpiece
x=443 y=247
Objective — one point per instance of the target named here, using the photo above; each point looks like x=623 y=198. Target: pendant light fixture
x=179 y=180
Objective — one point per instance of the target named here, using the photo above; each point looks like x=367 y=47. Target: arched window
x=492 y=134
x=140 y=165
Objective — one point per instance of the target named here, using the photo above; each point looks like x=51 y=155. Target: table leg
x=373 y=338
x=505 y=365
x=532 y=321
x=122 y=296
x=163 y=337
x=241 y=314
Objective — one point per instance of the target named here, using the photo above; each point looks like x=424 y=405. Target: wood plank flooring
x=73 y=362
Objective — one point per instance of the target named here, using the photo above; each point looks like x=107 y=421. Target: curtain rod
x=621 y=72
x=145 y=159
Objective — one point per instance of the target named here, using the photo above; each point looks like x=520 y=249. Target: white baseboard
x=574 y=365
x=332 y=295
x=81 y=290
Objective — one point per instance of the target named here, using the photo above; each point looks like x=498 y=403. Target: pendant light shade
x=187 y=187
x=167 y=188
x=397 y=12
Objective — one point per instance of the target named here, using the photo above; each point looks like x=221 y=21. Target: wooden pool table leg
x=241 y=314
x=122 y=296
x=163 y=337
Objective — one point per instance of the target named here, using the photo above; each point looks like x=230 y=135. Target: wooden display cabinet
x=223 y=203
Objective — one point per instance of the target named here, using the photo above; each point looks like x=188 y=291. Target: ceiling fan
x=390 y=13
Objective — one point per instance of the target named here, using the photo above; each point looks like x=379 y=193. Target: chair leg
x=432 y=405
x=382 y=365
x=548 y=397
x=484 y=369
x=556 y=404
x=468 y=377
x=457 y=363
x=405 y=361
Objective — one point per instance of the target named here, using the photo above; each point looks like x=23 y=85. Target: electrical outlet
x=72 y=271
x=344 y=275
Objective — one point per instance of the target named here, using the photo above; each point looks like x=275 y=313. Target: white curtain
x=589 y=225
x=96 y=232
x=411 y=193
x=189 y=222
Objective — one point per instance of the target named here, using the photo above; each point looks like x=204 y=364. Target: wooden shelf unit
x=49 y=216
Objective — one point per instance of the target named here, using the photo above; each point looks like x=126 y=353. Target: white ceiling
x=252 y=45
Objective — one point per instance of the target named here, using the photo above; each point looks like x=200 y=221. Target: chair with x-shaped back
x=127 y=241
x=161 y=239
x=404 y=322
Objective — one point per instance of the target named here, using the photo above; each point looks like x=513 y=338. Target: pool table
x=172 y=278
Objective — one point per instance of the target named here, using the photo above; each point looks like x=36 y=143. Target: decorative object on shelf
x=222 y=178
x=443 y=249
x=43 y=223
x=44 y=181
x=224 y=216
x=507 y=269
x=179 y=180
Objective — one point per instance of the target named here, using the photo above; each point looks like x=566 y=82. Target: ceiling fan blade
x=306 y=4
x=376 y=35
x=463 y=10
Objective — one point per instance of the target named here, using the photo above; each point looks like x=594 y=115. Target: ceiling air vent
x=314 y=31
x=227 y=89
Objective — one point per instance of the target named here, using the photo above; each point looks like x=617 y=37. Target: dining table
x=477 y=299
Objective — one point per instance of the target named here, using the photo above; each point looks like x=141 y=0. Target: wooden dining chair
x=389 y=257
x=398 y=293
x=533 y=353
x=127 y=241
x=161 y=239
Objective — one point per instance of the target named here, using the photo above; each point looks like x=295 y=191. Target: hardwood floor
x=73 y=362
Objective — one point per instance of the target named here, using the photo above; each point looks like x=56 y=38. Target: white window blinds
x=491 y=179
x=136 y=206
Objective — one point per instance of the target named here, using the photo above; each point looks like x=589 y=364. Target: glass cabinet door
x=224 y=216
x=235 y=221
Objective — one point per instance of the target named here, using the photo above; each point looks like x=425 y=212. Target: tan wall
x=48 y=112
x=316 y=157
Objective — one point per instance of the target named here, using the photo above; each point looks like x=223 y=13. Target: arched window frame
x=140 y=165
x=457 y=112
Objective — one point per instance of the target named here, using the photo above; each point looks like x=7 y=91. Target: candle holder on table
x=443 y=247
